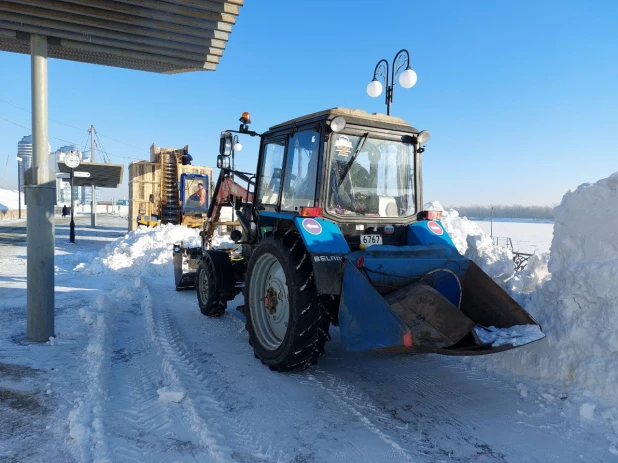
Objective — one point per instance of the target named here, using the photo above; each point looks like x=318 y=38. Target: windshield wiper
x=348 y=166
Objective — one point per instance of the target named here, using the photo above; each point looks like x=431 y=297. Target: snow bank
x=497 y=261
x=145 y=251
x=532 y=276
x=9 y=200
x=578 y=307
x=474 y=244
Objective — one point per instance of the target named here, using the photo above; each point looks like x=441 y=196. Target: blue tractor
x=333 y=231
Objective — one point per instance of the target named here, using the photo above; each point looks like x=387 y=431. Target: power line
x=107 y=159
x=77 y=128
x=53 y=120
x=66 y=141
x=124 y=143
x=28 y=128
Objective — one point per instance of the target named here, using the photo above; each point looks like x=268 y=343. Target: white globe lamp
x=374 y=88
x=407 y=78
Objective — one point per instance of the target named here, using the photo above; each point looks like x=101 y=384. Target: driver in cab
x=199 y=195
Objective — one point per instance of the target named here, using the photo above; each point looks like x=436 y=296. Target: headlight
x=337 y=124
x=423 y=136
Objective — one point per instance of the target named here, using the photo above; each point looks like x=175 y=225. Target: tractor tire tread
x=214 y=307
x=302 y=346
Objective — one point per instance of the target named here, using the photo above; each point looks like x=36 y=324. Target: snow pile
x=171 y=394
x=143 y=251
x=532 y=276
x=222 y=242
x=474 y=244
x=9 y=200
x=586 y=411
x=578 y=307
x=517 y=335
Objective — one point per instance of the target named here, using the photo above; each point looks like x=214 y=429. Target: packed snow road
x=136 y=373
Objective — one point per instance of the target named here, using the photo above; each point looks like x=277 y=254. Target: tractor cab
x=359 y=170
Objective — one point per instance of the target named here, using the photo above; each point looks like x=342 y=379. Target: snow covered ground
x=527 y=236
x=9 y=200
x=136 y=373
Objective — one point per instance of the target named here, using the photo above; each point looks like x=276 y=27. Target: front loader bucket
x=427 y=300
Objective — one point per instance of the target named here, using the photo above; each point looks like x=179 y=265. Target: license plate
x=370 y=240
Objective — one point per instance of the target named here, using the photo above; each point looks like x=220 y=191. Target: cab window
x=271 y=169
x=299 y=180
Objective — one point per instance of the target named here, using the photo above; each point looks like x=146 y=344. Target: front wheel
x=209 y=283
x=284 y=319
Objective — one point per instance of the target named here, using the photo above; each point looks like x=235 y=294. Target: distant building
x=87 y=195
x=24 y=151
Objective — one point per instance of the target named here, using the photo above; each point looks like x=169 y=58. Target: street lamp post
x=72 y=161
x=407 y=78
x=19 y=159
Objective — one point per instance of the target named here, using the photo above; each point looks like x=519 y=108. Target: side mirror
x=225 y=144
x=223 y=162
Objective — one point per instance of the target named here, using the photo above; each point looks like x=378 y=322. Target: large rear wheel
x=285 y=317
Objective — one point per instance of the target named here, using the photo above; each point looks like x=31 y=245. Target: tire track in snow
x=141 y=427
x=226 y=437
x=350 y=400
x=86 y=419
x=420 y=411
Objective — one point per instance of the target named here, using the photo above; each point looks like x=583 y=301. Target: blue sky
x=521 y=98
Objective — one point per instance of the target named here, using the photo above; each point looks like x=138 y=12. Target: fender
x=327 y=247
x=429 y=233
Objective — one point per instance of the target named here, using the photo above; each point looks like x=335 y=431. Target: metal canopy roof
x=166 y=36
x=101 y=175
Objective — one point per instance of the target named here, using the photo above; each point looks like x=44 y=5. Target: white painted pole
x=93 y=212
x=41 y=196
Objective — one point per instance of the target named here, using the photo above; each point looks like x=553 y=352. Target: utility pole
x=491 y=230
x=93 y=214
x=19 y=159
x=40 y=196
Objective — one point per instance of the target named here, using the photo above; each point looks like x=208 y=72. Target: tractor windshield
x=371 y=177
